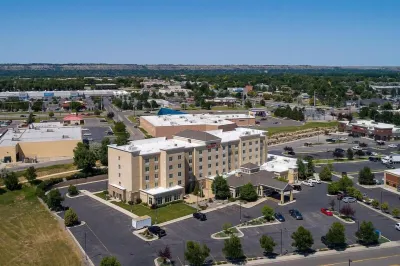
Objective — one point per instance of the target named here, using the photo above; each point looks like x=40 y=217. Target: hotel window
x=119 y=166
x=216 y=164
x=209 y=158
x=146 y=186
x=200 y=175
x=190 y=169
x=200 y=160
x=171 y=184
x=179 y=157
x=250 y=143
x=256 y=156
x=156 y=159
x=223 y=155
x=190 y=160
x=209 y=165
x=244 y=158
x=223 y=148
x=200 y=152
x=119 y=174
x=209 y=150
x=179 y=174
x=224 y=170
x=146 y=160
x=209 y=173
x=244 y=151
x=216 y=156
x=156 y=184
x=216 y=149
x=179 y=182
x=223 y=162
x=150 y=201
x=244 y=144
x=119 y=158
x=159 y=201
x=171 y=176
x=250 y=157
x=168 y=198
x=147 y=168
x=179 y=165
x=236 y=152
x=256 y=142
x=250 y=150
x=200 y=167
x=229 y=146
x=256 y=149
x=170 y=167
x=156 y=176
x=190 y=153
x=170 y=158
x=156 y=167
x=147 y=178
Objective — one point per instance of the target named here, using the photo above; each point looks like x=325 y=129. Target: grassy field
x=101 y=195
x=277 y=130
x=133 y=119
x=29 y=235
x=343 y=160
x=166 y=213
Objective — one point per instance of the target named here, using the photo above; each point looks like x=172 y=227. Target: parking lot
x=108 y=231
x=96 y=134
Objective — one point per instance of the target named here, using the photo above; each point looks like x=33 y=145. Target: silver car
x=349 y=199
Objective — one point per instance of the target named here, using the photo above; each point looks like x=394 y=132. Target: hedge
x=80 y=175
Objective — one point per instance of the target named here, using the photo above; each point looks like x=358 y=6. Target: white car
x=313 y=180
x=392 y=145
x=342 y=139
x=308 y=183
x=397 y=226
x=357 y=148
x=374 y=153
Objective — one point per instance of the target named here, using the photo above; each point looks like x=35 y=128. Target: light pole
x=240 y=212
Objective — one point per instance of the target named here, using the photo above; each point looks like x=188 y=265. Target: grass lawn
x=323 y=161
x=166 y=213
x=146 y=134
x=101 y=195
x=277 y=130
x=133 y=119
x=30 y=235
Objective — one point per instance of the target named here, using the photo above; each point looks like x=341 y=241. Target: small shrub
x=72 y=190
x=70 y=218
x=385 y=207
x=375 y=204
x=138 y=200
x=40 y=193
x=232 y=199
x=130 y=202
x=395 y=212
x=210 y=200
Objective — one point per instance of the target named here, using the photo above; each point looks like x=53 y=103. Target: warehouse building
x=39 y=141
x=169 y=125
x=158 y=170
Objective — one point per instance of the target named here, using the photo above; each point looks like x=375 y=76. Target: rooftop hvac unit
x=15 y=139
x=50 y=130
x=65 y=136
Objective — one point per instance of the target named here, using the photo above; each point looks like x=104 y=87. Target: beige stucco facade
x=135 y=175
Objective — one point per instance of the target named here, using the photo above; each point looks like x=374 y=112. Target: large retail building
x=169 y=125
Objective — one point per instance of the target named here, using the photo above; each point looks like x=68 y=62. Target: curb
x=343 y=220
x=379 y=211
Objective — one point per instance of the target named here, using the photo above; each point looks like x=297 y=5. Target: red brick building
x=392 y=179
x=368 y=128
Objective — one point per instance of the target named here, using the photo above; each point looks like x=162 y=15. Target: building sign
x=212 y=145
x=49 y=94
x=74 y=94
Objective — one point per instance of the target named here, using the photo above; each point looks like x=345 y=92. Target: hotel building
x=158 y=170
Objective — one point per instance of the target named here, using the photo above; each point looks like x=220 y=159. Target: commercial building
x=391 y=179
x=39 y=141
x=169 y=125
x=63 y=94
x=158 y=170
x=73 y=119
x=229 y=101
x=368 y=128
x=282 y=167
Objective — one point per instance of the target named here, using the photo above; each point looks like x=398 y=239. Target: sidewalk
x=319 y=254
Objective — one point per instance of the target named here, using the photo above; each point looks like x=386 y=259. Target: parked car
x=297 y=187
x=257 y=122
x=340 y=195
x=308 y=183
x=374 y=158
x=22 y=115
x=326 y=212
x=357 y=148
x=392 y=145
x=342 y=139
x=296 y=214
x=390 y=166
x=397 y=226
x=200 y=216
x=314 y=180
x=339 y=150
x=156 y=230
x=380 y=142
x=349 y=199
x=279 y=217
x=367 y=200
x=291 y=153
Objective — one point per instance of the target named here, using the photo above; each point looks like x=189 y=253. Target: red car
x=326 y=212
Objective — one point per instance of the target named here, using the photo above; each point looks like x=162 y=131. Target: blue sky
x=319 y=32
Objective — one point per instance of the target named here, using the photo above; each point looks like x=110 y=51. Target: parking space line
x=98 y=239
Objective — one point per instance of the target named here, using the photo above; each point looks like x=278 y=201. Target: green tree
x=248 y=193
x=97 y=112
x=366 y=177
x=301 y=169
x=344 y=183
x=267 y=243
x=30 y=174
x=30 y=118
x=366 y=235
x=54 y=199
x=122 y=139
x=326 y=174
x=248 y=104
x=233 y=248
x=385 y=207
x=110 y=261
x=11 y=181
x=51 y=114
x=268 y=213
x=310 y=166
x=70 y=218
x=72 y=190
x=302 y=239
x=103 y=154
x=84 y=158
x=227 y=227
x=375 y=203
x=196 y=254
x=333 y=188
x=395 y=212
x=336 y=235
x=220 y=188
x=350 y=154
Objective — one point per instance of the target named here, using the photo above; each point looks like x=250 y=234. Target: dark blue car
x=279 y=217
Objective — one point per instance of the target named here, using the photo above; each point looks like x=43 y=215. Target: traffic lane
x=356 y=166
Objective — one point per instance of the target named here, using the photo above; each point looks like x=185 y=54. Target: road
x=370 y=257
x=135 y=133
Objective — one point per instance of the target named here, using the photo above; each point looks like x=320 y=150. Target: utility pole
x=350 y=261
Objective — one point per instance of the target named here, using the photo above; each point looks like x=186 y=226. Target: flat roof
x=372 y=123
x=40 y=132
x=262 y=177
x=193 y=119
x=160 y=190
x=278 y=163
x=394 y=171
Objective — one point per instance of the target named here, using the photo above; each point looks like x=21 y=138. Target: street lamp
x=240 y=212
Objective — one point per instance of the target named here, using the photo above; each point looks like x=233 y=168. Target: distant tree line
x=295 y=113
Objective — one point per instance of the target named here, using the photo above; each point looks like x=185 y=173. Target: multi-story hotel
x=157 y=170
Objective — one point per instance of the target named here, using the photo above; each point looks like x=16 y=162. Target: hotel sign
x=212 y=145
